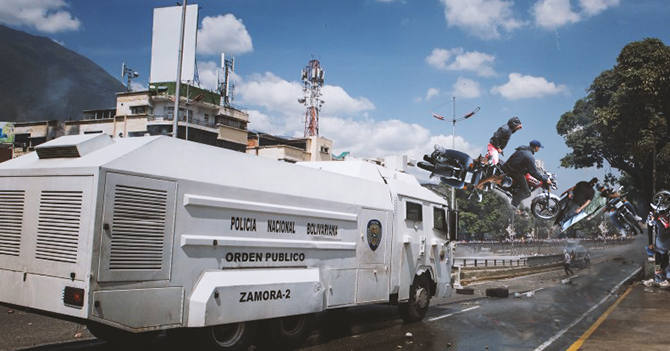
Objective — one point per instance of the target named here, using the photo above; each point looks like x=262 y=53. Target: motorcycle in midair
x=623 y=212
x=458 y=170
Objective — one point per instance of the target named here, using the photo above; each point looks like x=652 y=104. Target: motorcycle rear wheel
x=545 y=208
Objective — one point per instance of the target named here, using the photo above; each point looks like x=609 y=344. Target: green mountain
x=42 y=80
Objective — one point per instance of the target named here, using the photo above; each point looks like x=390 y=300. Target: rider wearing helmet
x=518 y=165
x=501 y=137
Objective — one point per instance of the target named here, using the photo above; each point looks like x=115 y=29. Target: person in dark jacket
x=521 y=162
x=501 y=137
x=578 y=197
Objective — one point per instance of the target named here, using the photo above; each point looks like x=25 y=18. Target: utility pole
x=175 y=124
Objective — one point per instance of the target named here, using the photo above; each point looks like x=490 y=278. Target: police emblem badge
x=374 y=234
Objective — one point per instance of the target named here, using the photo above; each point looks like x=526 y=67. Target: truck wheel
x=227 y=337
x=286 y=333
x=419 y=300
x=120 y=337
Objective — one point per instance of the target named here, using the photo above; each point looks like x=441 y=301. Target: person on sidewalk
x=567 y=260
x=660 y=229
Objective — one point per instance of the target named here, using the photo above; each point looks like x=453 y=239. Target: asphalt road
x=550 y=315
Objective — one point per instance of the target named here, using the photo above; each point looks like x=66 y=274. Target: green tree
x=523 y=222
x=624 y=119
x=490 y=217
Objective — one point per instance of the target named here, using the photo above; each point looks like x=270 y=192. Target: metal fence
x=482 y=262
x=533 y=248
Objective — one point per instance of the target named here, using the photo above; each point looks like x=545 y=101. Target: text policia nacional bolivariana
x=249 y=224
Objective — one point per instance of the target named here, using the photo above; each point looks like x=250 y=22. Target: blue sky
x=387 y=63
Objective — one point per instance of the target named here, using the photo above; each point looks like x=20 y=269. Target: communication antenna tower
x=312 y=81
x=225 y=86
x=127 y=71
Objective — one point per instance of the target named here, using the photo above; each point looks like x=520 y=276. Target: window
x=168 y=112
x=439 y=219
x=231 y=122
x=138 y=110
x=440 y=222
x=413 y=211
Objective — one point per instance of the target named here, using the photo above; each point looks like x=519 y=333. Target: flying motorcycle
x=458 y=170
x=622 y=211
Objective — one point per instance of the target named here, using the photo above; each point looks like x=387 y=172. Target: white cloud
x=273 y=107
x=47 y=16
x=278 y=95
x=207 y=74
x=594 y=7
x=524 y=87
x=551 y=14
x=432 y=92
x=458 y=59
x=137 y=86
x=371 y=138
x=485 y=19
x=339 y=102
x=271 y=92
x=223 y=34
x=466 y=88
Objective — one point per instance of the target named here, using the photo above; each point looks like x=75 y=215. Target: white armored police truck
x=138 y=235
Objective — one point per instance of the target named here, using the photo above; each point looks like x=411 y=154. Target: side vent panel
x=138 y=237
x=11 y=221
x=137 y=228
x=58 y=152
x=58 y=226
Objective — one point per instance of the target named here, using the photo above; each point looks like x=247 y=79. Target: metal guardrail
x=531 y=248
x=477 y=262
x=498 y=262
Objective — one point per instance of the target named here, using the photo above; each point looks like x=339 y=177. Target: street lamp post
x=453 y=137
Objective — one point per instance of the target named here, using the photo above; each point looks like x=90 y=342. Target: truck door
x=373 y=252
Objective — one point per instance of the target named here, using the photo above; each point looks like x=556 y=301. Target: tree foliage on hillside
x=624 y=119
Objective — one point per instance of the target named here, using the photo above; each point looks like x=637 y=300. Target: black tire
x=120 y=337
x=497 y=292
x=416 y=307
x=427 y=166
x=634 y=225
x=286 y=333
x=545 y=208
x=227 y=337
x=661 y=200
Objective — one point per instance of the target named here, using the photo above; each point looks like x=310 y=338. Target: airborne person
x=501 y=137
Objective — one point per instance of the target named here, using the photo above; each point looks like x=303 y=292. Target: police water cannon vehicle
x=133 y=236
